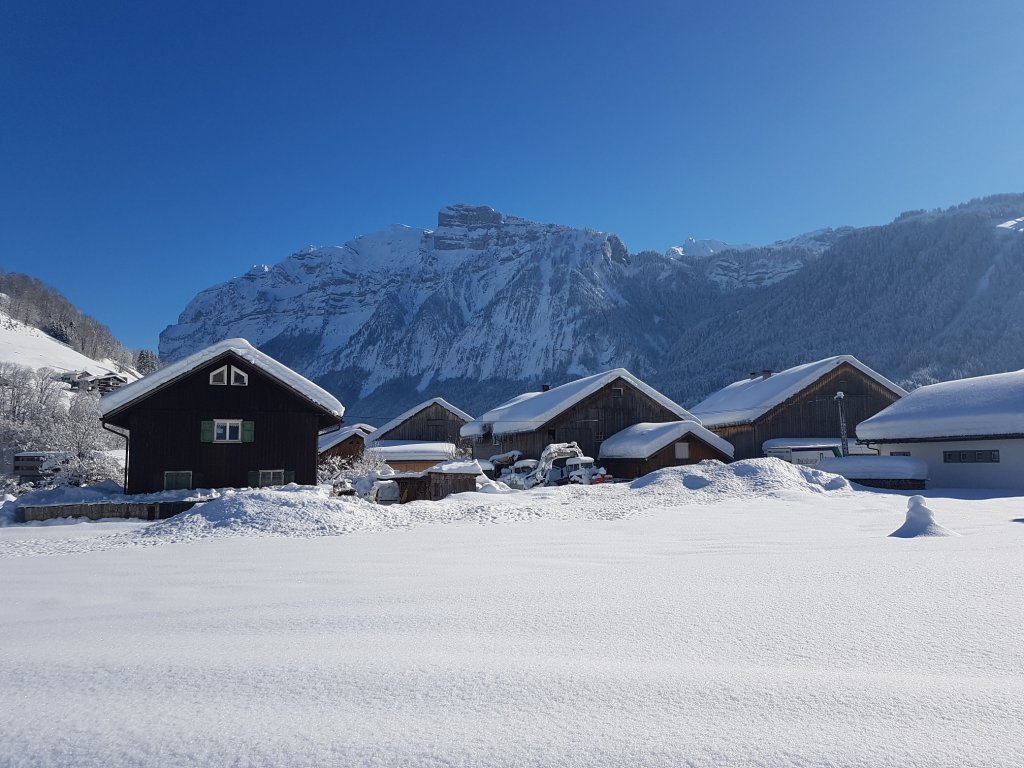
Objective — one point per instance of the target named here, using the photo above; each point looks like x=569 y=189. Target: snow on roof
x=331 y=439
x=876 y=467
x=642 y=440
x=533 y=410
x=457 y=467
x=416 y=409
x=414 y=450
x=745 y=400
x=302 y=386
x=975 y=407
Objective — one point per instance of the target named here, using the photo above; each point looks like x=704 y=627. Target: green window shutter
x=289 y=476
x=254 y=479
x=248 y=427
x=206 y=432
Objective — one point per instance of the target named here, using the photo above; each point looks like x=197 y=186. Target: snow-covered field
x=756 y=614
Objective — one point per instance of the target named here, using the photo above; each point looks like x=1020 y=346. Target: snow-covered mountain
x=486 y=305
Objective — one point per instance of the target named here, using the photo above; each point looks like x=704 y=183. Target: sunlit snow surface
x=752 y=615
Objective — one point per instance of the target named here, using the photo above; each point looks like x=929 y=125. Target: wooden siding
x=164 y=430
x=666 y=457
x=348 y=448
x=588 y=423
x=434 y=423
x=813 y=412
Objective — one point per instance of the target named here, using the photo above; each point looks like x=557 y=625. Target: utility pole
x=842 y=423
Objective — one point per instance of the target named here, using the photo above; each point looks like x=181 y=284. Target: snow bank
x=920 y=522
x=876 y=467
x=711 y=481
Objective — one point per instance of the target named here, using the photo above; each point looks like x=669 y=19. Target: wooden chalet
x=227 y=416
x=420 y=437
x=647 y=447
x=348 y=442
x=800 y=402
x=586 y=411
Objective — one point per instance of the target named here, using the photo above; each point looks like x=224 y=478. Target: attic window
x=220 y=376
x=616 y=391
x=239 y=378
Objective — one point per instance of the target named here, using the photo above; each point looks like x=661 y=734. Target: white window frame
x=223 y=370
x=270 y=473
x=239 y=372
x=228 y=424
x=682 y=450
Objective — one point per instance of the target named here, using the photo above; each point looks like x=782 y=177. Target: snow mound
x=291 y=510
x=711 y=481
x=920 y=522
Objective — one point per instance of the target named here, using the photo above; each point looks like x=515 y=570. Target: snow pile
x=876 y=467
x=458 y=467
x=920 y=522
x=711 y=481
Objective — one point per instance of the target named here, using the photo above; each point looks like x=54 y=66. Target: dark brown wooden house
x=228 y=416
x=647 y=447
x=799 y=402
x=586 y=411
x=421 y=437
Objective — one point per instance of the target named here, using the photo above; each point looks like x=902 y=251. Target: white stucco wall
x=1008 y=473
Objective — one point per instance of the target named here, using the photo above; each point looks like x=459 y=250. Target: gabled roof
x=379 y=432
x=331 y=439
x=123 y=396
x=746 y=400
x=532 y=410
x=414 y=450
x=983 y=406
x=643 y=440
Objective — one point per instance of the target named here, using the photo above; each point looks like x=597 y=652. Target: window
x=899 y=453
x=177 y=480
x=227 y=431
x=616 y=391
x=271 y=477
x=239 y=378
x=551 y=435
x=599 y=436
x=682 y=450
x=970 y=457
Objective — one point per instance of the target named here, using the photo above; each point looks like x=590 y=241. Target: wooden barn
x=227 y=416
x=586 y=411
x=647 y=447
x=421 y=437
x=800 y=402
x=348 y=442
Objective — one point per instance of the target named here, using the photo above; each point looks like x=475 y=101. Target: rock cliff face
x=487 y=305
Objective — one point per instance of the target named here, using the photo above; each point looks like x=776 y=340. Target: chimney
x=545 y=387
x=766 y=373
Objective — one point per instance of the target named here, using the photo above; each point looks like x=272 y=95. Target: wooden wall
x=348 y=448
x=165 y=431
x=813 y=412
x=588 y=423
x=434 y=423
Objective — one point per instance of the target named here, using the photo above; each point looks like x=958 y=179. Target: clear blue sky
x=149 y=150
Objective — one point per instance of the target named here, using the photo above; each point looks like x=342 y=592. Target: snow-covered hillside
x=28 y=346
x=750 y=615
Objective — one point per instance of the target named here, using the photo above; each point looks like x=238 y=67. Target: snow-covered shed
x=798 y=402
x=345 y=442
x=586 y=411
x=970 y=431
x=646 y=447
x=226 y=416
x=421 y=436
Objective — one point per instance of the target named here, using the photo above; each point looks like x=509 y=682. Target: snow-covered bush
x=359 y=472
